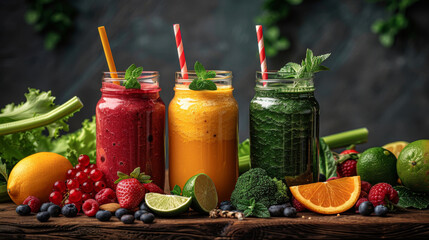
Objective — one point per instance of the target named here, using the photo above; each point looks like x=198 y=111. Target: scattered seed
x=303 y=216
x=309 y=217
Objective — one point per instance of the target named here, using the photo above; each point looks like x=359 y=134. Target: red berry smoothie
x=130 y=128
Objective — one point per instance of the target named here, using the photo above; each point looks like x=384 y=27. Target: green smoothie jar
x=284 y=128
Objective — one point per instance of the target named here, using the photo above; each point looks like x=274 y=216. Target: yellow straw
x=108 y=53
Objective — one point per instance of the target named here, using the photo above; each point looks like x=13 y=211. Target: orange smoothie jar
x=203 y=133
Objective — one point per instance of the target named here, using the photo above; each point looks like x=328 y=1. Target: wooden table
x=407 y=225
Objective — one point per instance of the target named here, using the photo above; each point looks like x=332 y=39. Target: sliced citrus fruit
x=203 y=192
x=331 y=197
x=396 y=147
x=167 y=205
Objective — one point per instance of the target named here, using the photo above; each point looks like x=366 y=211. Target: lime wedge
x=167 y=205
x=203 y=192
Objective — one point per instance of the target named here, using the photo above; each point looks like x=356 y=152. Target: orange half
x=331 y=197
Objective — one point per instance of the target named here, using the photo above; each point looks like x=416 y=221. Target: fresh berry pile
x=84 y=181
x=85 y=191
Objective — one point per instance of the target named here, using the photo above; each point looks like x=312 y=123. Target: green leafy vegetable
x=80 y=142
x=3 y=170
x=253 y=208
x=202 y=82
x=327 y=165
x=176 y=190
x=22 y=126
x=131 y=75
x=409 y=198
x=309 y=66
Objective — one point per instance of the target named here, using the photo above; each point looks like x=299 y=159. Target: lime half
x=167 y=205
x=203 y=192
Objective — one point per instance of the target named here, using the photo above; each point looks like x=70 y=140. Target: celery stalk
x=67 y=108
x=347 y=138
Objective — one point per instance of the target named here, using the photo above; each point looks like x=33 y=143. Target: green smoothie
x=284 y=130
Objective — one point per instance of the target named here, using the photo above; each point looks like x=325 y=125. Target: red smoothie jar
x=130 y=128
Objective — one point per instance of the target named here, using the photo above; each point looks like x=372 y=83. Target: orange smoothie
x=203 y=130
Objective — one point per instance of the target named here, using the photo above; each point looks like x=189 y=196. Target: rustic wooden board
x=410 y=224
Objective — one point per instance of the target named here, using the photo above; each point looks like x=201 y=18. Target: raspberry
x=347 y=168
x=297 y=205
x=383 y=194
x=152 y=187
x=365 y=186
x=90 y=207
x=33 y=202
x=332 y=178
x=363 y=194
x=106 y=195
x=359 y=202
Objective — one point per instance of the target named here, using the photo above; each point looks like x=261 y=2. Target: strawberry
x=130 y=190
x=152 y=187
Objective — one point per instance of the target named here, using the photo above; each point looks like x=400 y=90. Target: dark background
x=383 y=89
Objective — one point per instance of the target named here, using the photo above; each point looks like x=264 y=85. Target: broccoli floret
x=256 y=184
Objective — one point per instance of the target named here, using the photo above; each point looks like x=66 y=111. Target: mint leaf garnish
x=176 y=190
x=309 y=66
x=131 y=76
x=201 y=82
x=409 y=198
x=252 y=208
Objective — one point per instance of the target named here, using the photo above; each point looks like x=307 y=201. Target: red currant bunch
x=83 y=182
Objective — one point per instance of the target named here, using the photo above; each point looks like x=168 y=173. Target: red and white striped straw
x=180 y=51
x=261 y=47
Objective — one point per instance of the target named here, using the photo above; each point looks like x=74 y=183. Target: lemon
x=203 y=192
x=35 y=176
x=396 y=147
x=377 y=165
x=413 y=166
x=167 y=205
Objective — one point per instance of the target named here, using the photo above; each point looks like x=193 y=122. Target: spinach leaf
x=327 y=165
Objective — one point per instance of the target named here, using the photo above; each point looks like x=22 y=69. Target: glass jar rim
x=143 y=75
x=193 y=75
x=275 y=76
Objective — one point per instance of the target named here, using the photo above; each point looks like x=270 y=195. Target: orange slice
x=331 y=197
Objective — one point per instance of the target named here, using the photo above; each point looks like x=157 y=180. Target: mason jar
x=130 y=128
x=284 y=128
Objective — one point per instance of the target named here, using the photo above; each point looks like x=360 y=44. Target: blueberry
x=276 y=210
x=43 y=216
x=138 y=213
x=23 y=210
x=147 y=217
x=289 y=212
x=121 y=212
x=366 y=208
x=54 y=210
x=381 y=211
x=103 y=216
x=127 y=219
x=69 y=210
x=45 y=206
x=322 y=178
x=286 y=205
x=225 y=203
x=143 y=206
x=227 y=207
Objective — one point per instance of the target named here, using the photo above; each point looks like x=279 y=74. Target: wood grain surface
x=411 y=224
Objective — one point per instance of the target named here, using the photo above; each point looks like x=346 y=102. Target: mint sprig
x=131 y=75
x=176 y=190
x=309 y=66
x=134 y=174
x=201 y=82
x=252 y=208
